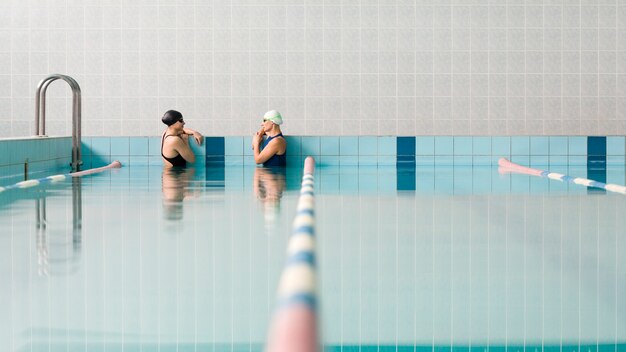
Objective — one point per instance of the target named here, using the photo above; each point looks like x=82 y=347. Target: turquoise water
x=469 y=260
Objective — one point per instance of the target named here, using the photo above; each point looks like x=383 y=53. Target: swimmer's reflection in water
x=175 y=185
x=269 y=185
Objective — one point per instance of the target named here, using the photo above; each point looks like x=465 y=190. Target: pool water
x=462 y=258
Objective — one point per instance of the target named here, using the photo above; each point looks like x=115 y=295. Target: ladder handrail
x=40 y=113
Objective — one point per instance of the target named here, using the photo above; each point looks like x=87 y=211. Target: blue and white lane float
x=507 y=166
x=58 y=178
x=294 y=322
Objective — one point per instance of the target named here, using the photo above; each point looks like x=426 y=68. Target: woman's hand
x=198 y=137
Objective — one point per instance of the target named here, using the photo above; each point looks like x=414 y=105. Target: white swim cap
x=273 y=116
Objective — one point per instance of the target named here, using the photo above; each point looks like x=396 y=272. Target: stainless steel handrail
x=40 y=110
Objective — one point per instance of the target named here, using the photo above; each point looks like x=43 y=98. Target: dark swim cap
x=171 y=117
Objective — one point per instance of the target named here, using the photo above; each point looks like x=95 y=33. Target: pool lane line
x=294 y=323
x=507 y=166
x=57 y=178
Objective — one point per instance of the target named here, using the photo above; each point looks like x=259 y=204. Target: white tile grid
x=570 y=17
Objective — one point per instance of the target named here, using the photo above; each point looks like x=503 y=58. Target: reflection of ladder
x=40 y=110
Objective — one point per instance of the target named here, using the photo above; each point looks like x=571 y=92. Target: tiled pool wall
x=53 y=153
x=34 y=155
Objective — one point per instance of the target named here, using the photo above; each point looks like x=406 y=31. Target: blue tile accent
x=406 y=178
x=214 y=146
x=501 y=147
x=139 y=146
x=520 y=145
x=444 y=145
x=120 y=146
x=577 y=145
x=214 y=160
x=425 y=145
x=234 y=146
x=404 y=159
x=387 y=146
x=463 y=146
x=481 y=145
x=539 y=145
x=348 y=146
x=368 y=145
x=558 y=145
x=329 y=146
x=405 y=146
x=615 y=145
x=311 y=146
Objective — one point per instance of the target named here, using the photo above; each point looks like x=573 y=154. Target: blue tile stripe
x=595 y=151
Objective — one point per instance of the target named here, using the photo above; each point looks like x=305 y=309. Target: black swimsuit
x=178 y=160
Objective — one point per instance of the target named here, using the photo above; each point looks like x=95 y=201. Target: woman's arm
x=261 y=156
x=196 y=135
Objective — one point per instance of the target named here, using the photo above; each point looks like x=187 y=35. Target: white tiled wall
x=349 y=67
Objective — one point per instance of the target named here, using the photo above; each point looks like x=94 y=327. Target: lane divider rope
x=507 y=166
x=294 y=322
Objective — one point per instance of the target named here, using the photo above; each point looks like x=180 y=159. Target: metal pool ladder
x=40 y=110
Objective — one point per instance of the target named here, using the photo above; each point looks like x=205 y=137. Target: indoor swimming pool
x=429 y=258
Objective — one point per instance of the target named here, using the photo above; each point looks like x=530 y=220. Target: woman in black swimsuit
x=175 y=148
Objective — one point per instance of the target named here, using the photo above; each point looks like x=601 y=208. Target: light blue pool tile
x=17 y=153
x=100 y=146
x=294 y=146
x=154 y=146
x=233 y=145
x=387 y=145
x=387 y=182
x=348 y=160
x=310 y=146
x=249 y=160
x=139 y=146
x=329 y=145
x=348 y=146
x=501 y=147
x=198 y=150
x=520 y=184
x=558 y=145
x=368 y=145
x=577 y=160
x=463 y=160
x=539 y=161
x=233 y=160
x=124 y=159
x=481 y=145
x=615 y=145
x=577 y=145
x=495 y=158
x=480 y=160
x=444 y=145
x=120 y=146
x=295 y=161
x=421 y=160
x=557 y=160
x=539 y=145
x=444 y=160
x=368 y=182
x=386 y=160
x=85 y=146
x=520 y=145
x=329 y=160
x=463 y=145
x=615 y=160
x=523 y=160
x=368 y=160
x=424 y=145
x=154 y=160
x=4 y=157
x=139 y=160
